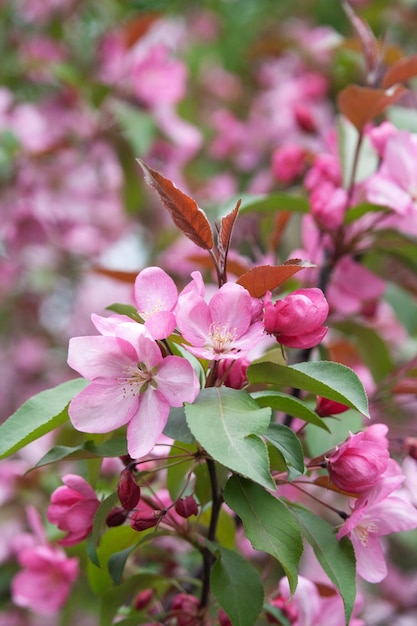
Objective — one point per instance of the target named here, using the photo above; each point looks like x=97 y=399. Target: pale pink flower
x=372 y=518
x=358 y=463
x=297 y=320
x=131 y=384
x=72 y=509
x=328 y=206
x=156 y=296
x=44 y=583
x=224 y=328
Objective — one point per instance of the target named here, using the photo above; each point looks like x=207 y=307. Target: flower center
x=136 y=380
x=363 y=530
x=221 y=337
x=152 y=306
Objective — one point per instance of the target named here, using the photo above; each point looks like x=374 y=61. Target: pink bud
x=224 y=619
x=236 y=377
x=357 y=465
x=128 y=491
x=296 y=320
x=328 y=206
x=288 y=609
x=305 y=118
x=143 y=520
x=288 y=162
x=116 y=517
x=143 y=599
x=326 y=407
x=186 y=507
x=186 y=607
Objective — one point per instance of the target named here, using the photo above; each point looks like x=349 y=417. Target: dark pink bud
x=233 y=373
x=305 y=119
x=116 y=517
x=140 y=520
x=128 y=490
x=143 y=599
x=185 y=608
x=358 y=464
x=288 y=609
x=186 y=507
x=326 y=407
x=410 y=444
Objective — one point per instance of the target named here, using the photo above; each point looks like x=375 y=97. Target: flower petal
x=177 y=381
x=146 y=426
x=100 y=357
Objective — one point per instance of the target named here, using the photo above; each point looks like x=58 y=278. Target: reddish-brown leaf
x=186 y=214
x=360 y=105
x=227 y=223
x=365 y=35
x=138 y=27
x=263 y=278
x=400 y=71
x=123 y=277
x=324 y=481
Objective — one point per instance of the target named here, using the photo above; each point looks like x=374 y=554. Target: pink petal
x=177 y=381
x=78 y=484
x=154 y=289
x=370 y=560
x=194 y=319
x=145 y=428
x=161 y=324
x=231 y=306
x=100 y=357
x=102 y=407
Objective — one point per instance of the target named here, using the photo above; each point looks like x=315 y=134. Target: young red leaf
x=400 y=71
x=366 y=37
x=360 y=105
x=265 y=278
x=186 y=214
x=228 y=221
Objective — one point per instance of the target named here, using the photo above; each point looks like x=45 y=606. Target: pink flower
x=358 y=464
x=326 y=407
x=288 y=162
x=296 y=320
x=131 y=384
x=328 y=206
x=45 y=582
x=156 y=297
x=352 y=286
x=72 y=509
x=373 y=517
x=225 y=328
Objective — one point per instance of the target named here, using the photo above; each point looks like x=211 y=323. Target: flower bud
x=224 y=619
x=142 y=521
x=128 y=490
x=143 y=599
x=326 y=407
x=296 y=320
x=116 y=517
x=186 y=506
x=357 y=465
x=186 y=607
x=410 y=445
x=288 y=609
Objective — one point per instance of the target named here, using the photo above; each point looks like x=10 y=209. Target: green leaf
x=228 y=424
x=268 y=524
x=337 y=558
x=99 y=577
x=37 y=416
x=289 y=445
x=99 y=519
x=125 y=309
x=318 y=442
x=177 y=427
x=226 y=526
x=371 y=347
x=362 y=209
x=138 y=127
x=289 y=405
x=178 y=469
x=323 y=378
x=237 y=587
x=88 y=450
x=270 y=203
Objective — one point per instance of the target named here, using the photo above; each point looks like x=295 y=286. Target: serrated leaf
x=289 y=405
x=263 y=278
x=268 y=524
x=226 y=229
x=237 y=587
x=323 y=378
x=185 y=212
x=39 y=415
x=88 y=450
x=177 y=427
x=287 y=442
x=337 y=558
x=228 y=424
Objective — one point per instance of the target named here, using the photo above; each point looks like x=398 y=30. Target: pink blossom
x=328 y=206
x=352 y=286
x=156 y=296
x=326 y=169
x=371 y=518
x=288 y=162
x=131 y=383
x=296 y=320
x=45 y=581
x=225 y=328
x=358 y=464
x=72 y=509
x=379 y=135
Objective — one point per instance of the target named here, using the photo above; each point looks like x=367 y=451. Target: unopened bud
x=186 y=507
x=143 y=599
x=116 y=517
x=142 y=521
x=224 y=619
x=326 y=407
x=128 y=490
x=186 y=607
x=410 y=444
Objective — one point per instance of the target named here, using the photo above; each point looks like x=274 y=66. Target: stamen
x=135 y=380
x=221 y=336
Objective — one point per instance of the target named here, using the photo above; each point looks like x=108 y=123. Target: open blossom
x=227 y=327
x=131 y=383
x=156 y=297
x=72 y=508
x=47 y=574
x=297 y=320
x=358 y=463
